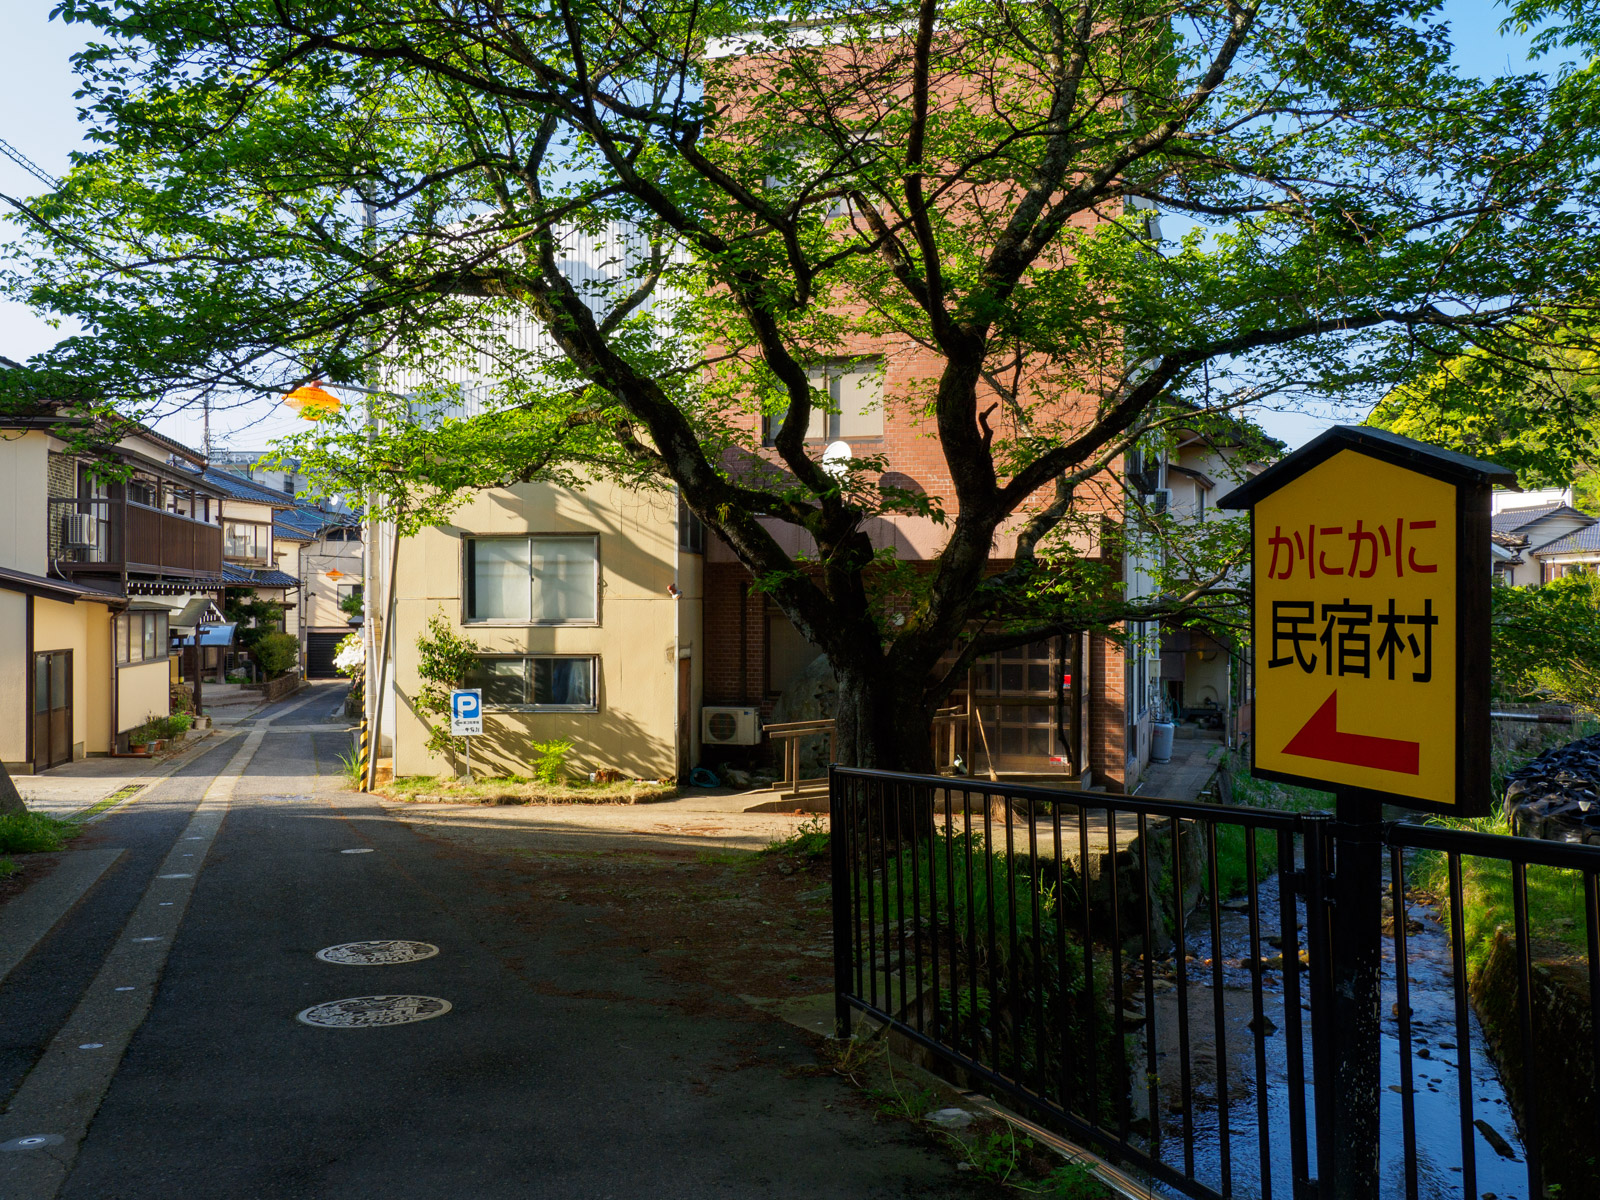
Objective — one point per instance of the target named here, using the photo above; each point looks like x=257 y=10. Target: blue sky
x=38 y=117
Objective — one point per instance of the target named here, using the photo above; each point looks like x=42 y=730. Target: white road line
x=65 y=1087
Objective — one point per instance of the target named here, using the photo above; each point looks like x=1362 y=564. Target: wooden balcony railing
x=126 y=536
x=165 y=542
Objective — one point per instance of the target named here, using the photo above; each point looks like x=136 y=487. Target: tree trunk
x=10 y=798
x=882 y=722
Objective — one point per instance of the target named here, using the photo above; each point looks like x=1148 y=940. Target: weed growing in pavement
x=809 y=841
x=994 y=1154
x=35 y=833
x=350 y=768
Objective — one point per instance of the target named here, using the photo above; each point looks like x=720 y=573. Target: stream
x=1435 y=1063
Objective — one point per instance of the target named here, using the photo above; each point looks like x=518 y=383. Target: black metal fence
x=1154 y=978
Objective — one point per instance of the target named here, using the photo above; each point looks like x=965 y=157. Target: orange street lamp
x=336 y=575
x=312 y=402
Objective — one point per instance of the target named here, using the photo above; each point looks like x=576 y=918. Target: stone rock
x=812 y=695
x=1557 y=795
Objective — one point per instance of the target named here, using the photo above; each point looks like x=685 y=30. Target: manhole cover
x=34 y=1141
x=377 y=954
x=360 y=1012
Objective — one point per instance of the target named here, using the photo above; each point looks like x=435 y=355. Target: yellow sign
x=1356 y=594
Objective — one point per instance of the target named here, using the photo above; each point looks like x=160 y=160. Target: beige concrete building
x=586 y=609
x=91 y=574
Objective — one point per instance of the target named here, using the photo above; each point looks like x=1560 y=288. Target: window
x=855 y=394
x=1137 y=652
x=288 y=483
x=242 y=539
x=141 y=636
x=533 y=580
x=561 y=684
x=691 y=530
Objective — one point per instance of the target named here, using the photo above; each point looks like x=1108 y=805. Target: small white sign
x=466 y=712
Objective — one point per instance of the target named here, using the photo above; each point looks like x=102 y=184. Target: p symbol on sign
x=464 y=705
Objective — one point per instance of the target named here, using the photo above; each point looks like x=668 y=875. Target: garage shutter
x=320 y=649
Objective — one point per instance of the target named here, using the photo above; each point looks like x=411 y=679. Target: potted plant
x=139 y=739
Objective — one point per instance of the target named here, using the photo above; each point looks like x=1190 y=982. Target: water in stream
x=1435 y=1065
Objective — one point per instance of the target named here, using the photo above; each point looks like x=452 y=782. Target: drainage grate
x=377 y=954
x=362 y=1012
x=126 y=792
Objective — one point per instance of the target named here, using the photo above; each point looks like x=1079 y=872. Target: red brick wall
x=735 y=670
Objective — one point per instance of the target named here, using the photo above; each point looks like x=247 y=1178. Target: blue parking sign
x=466 y=712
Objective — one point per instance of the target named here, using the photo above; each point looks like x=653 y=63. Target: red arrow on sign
x=1320 y=737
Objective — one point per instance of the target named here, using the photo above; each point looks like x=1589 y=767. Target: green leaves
x=566 y=240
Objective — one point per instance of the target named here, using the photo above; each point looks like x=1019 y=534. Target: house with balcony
x=251 y=563
x=93 y=567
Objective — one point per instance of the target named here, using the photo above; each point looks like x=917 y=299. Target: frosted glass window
x=854 y=403
x=534 y=581
x=563 y=579
x=500 y=579
x=858 y=393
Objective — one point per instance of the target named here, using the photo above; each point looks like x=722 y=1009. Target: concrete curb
x=25 y=919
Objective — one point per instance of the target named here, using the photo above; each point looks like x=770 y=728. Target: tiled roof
x=240 y=488
x=235 y=576
x=1576 y=542
x=288 y=533
x=1516 y=518
x=53 y=589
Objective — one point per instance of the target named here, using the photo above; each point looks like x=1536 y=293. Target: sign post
x=466 y=718
x=1370 y=572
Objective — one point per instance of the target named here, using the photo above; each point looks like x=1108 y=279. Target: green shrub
x=444 y=660
x=550 y=761
x=276 y=652
x=143 y=735
x=174 y=726
x=34 y=833
x=7 y=867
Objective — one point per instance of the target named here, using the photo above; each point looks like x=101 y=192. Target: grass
x=810 y=841
x=1555 y=897
x=1233 y=877
x=7 y=868
x=35 y=833
x=1555 y=902
x=519 y=789
x=350 y=767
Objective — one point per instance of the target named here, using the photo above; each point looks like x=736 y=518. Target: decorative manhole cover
x=377 y=954
x=361 y=1012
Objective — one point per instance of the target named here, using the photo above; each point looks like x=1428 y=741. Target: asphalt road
x=557 y=1071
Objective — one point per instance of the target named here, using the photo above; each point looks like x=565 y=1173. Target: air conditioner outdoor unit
x=79 y=529
x=1160 y=500
x=730 y=726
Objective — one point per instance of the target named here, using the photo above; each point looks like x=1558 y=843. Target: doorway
x=52 y=709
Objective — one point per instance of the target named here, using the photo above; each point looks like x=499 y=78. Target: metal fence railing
x=1153 y=978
